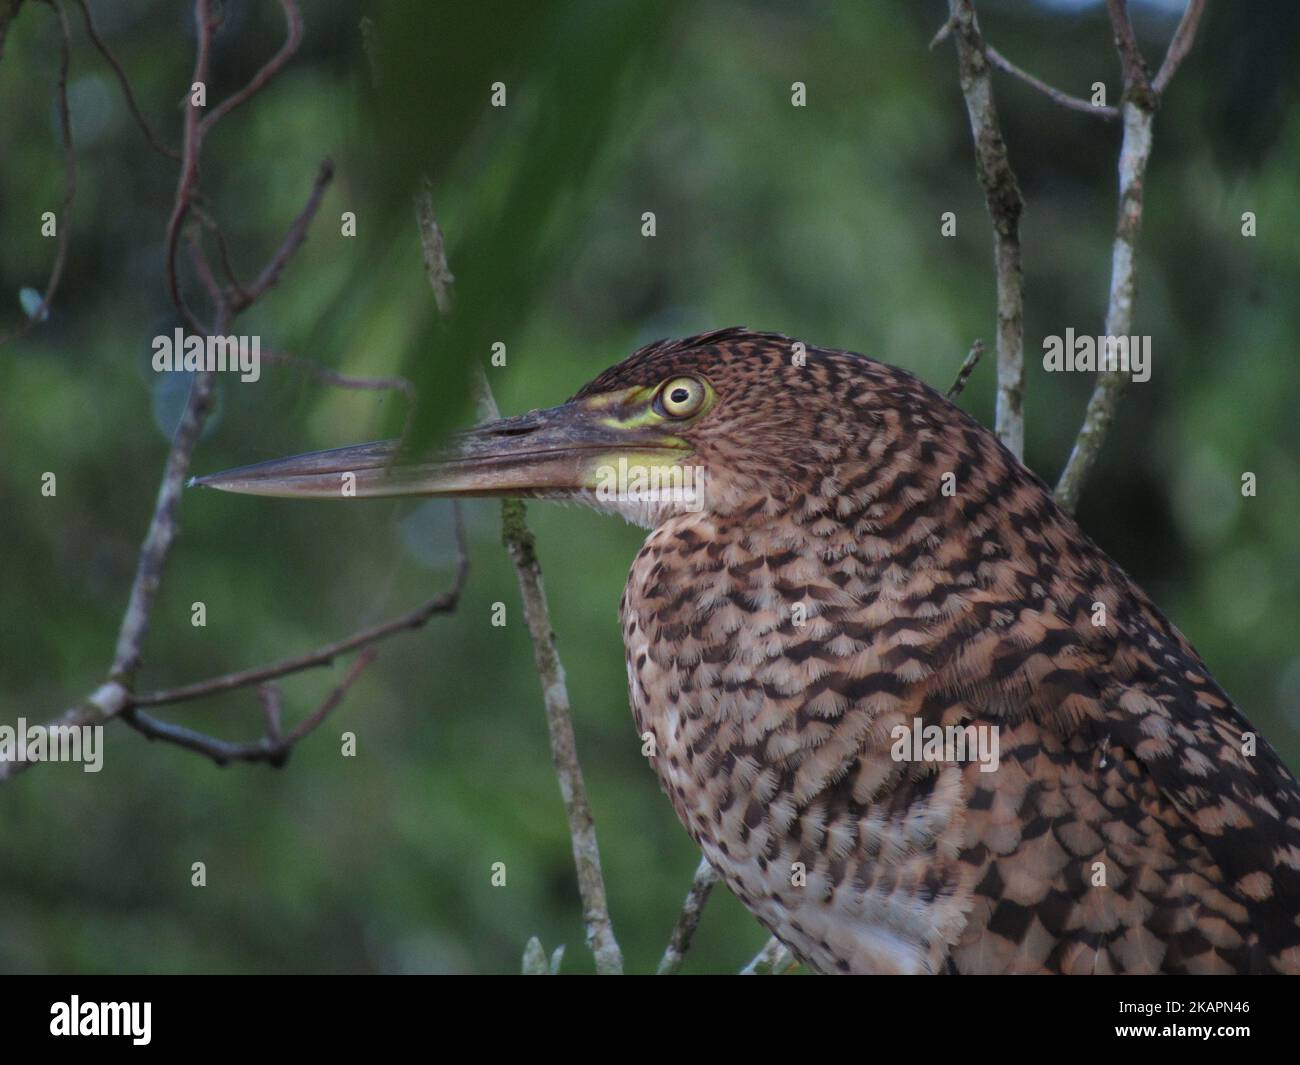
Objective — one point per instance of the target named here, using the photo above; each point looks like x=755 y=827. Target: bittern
x=862 y=569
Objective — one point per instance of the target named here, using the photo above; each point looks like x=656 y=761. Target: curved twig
x=1074 y=103
x=689 y=918
x=442 y=603
x=41 y=311
x=272 y=747
x=124 y=81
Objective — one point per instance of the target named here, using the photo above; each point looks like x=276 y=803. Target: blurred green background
x=822 y=222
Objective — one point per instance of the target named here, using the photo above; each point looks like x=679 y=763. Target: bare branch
x=210 y=224
x=564 y=748
x=773 y=960
x=435 y=253
x=187 y=182
x=559 y=723
x=348 y=381
x=162 y=527
x=967 y=367
x=1180 y=45
x=1130 y=55
x=555 y=693
x=273 y=66
x=114 y=696
x=272 y=700
x=1138 y=111
x=41 y=311
x=689 y=918
x=125 y=82
x=1074 y=103
x=292 y=240
x=1005 y=205
x=272 y=748
x=442 y=603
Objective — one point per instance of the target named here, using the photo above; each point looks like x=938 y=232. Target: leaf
x=31 y=301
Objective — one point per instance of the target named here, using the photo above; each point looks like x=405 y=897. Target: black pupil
x=680 y=395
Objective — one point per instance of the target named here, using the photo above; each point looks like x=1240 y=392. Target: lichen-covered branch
x=519 y=543
x=689 y=918
x=773 y=960
x=1138 y=111
x=1097 y=419
x=967 y=368
x=1005 y=205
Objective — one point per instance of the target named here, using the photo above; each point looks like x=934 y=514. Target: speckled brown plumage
x=1119 y=754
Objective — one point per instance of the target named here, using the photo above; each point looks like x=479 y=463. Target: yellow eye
x=681 y=397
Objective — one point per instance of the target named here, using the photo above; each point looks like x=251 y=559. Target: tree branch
x=1005 y=205
x=115 y=697
x=442 y=603
x=773 y=960
x=555 y=694
x=1138 y=110
x=564 y=747
x=689 y=918
x=1180 y=45
x=64 y=221
x=292 y=241
x=1073 y=103
x=967 y=368
x=125 y=82
x=273 y=747
x=273 y=66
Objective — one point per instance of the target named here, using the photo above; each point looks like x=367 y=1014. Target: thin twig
x=520 y=544
x=64 y=221
x=114 y=696
x=125 y=82
x=210 y=224
x=292 y=240
x=555 y=693
x=273 y=66
x=1005 y=205
x=1074 y=103
x=1138 y=110
x=433 y=248
x=773 y=960
x=351 y=382
x=271 y=748
x=162 y=526
x=442 y=603
x=204 y=271
x=187 y=181
x=689 y=918
x=1180 y=45
x=967 y=367
x=1136 y=79
x=272 y=700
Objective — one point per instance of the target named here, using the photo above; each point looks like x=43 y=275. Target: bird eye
x=681 y=397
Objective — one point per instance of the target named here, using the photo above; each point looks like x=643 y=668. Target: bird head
x=725 y=421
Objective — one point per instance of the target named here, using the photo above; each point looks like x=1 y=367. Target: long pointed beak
x=550 y=453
